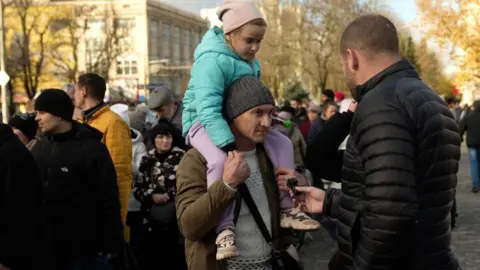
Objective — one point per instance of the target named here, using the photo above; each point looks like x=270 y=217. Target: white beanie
x=122 y=110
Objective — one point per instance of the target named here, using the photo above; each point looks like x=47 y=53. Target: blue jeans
x=91 y=263
x=474 y=154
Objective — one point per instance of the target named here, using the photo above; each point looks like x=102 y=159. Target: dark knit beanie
x=55 y=102
x=243 y=95
x=161 y=128
x=26 y=123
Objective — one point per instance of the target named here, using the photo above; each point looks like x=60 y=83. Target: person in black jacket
x=20 y=198
x=400 y=165
x=328 y=110
x=82 y=209
x=471 y=125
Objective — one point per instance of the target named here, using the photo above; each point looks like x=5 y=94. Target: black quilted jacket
x=399 y=177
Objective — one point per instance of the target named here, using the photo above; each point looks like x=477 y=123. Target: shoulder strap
x=247 y=197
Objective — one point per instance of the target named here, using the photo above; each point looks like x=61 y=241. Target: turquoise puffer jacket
x=216 y=67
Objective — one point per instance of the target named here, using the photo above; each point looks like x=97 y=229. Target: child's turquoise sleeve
x=209 y=86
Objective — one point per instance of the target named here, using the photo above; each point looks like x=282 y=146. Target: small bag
x=164 y=214
x=281 y=259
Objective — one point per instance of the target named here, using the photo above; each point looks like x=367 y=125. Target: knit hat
x=236 y=13
x=122 y=110
x=243 y=95
x=161 y=128
x=25 y=122
x=159 y=97
x=137 y=120
x=56 y=102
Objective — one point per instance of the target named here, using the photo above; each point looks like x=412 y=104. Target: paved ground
x=466 y=237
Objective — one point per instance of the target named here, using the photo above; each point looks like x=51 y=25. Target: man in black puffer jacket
x=400 y=165
x=81 y=205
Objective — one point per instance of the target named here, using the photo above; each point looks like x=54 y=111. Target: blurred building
x=154 y=43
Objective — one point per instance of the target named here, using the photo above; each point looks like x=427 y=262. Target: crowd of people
x=213 y=181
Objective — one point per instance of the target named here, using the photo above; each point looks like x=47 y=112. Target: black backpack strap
x=247 y=197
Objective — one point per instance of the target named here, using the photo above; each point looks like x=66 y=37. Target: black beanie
x=161 y=128
x=26 y=123
x=244 y=94
x=55 y=102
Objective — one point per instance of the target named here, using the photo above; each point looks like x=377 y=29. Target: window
x=154 y=40
x=195 y=39
x=125 y=23
x=95 y=25
x=176 y=45
x=186 y=46
x=93 y=45
x=126 y=44
x=127 y=67
x=166 y=41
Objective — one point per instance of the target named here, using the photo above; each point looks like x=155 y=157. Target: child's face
x=246 y=40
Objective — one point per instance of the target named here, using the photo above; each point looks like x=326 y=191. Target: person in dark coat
x=471 y=125
x=20 y=200
x=400 y=165
x=329 y=109
x=81 y=202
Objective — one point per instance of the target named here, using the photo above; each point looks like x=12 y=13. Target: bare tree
x=277 y=55
x=30 y=45
x=65 y=53
x=103 y=53
x=323 y=23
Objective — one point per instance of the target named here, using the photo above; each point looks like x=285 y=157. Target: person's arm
x=314 y=130
x=388 y=216
x=142 y=190
x=302 y=145
x=108 y=204
x=209 y=88
x=140 y=152
x=323 y=158
x=119 y=144
x=199 y=209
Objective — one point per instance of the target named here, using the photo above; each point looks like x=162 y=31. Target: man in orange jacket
x=89 y=94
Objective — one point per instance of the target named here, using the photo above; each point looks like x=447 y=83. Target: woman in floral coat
x=155 y=188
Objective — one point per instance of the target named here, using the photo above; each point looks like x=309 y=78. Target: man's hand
x=283 y=174
x=236 y=169
x=159 y=199
x=312 y=199
x=3 y=267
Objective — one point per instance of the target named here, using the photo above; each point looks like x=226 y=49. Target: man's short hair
x=94 y=84
x=371 y=33
x=328 y=104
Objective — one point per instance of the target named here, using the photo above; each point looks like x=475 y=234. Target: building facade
x=141 y=43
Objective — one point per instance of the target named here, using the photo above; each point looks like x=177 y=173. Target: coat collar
x=401 y=68
x=95 y=111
